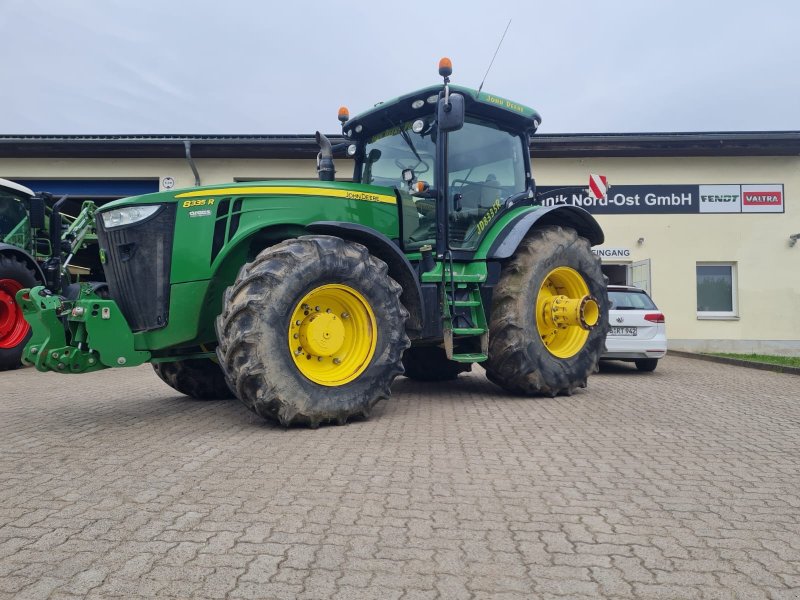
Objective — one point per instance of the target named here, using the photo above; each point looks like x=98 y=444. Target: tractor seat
x=480 y=195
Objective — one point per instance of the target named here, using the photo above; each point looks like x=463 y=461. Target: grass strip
x=786 y=361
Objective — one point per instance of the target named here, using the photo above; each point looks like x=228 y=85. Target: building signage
x=762 y=198
x=672 y=199
x=720 y=198
x=604 y=252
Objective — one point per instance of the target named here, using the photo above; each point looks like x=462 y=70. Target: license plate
x=623 y=331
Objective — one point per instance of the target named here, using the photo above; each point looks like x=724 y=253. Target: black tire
x=254 y=326
x=430 y=363
x=201 y=379
x=16 y=271
x=519 y=361
x=646 y=364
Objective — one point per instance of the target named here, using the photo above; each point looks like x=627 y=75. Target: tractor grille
x=137 y=267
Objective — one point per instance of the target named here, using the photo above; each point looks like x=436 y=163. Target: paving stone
x=682 y=483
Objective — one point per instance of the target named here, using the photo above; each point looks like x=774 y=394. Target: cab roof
x=506 y=113
x=12 y=186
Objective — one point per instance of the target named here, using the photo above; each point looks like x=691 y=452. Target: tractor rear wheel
x=550 y=290
x=201 y=378
x=14 y=329
x=312 y=331
x=430 y=363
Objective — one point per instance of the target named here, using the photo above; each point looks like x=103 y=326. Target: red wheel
x=13 y=326
x=14 y=329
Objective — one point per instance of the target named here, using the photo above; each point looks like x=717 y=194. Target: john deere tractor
x=305 y=299
x=31 y=254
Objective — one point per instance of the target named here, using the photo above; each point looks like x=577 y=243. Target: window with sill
x=716 y=291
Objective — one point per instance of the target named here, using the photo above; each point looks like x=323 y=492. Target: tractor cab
x=452 y=178
x=13 y=213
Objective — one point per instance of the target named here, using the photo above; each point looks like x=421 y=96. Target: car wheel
x=647 y=364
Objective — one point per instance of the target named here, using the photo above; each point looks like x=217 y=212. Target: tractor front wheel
x=312 y=331
x=14 y=329
x=549 y=315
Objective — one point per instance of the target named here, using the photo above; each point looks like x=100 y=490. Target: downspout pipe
x=188 y=147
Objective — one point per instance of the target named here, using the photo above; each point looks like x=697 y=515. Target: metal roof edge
x=704 y=143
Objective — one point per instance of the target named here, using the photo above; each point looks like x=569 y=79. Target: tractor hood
x=190 y=197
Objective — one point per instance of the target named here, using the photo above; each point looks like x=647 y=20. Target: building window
x=716 y=291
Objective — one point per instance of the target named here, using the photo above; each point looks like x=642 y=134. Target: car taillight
x=654 y=317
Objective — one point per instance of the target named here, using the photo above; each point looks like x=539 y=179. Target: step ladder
x=461 y=293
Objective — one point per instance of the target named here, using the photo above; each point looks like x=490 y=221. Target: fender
x=400 y=269
x=9 y=250
x=509 y=237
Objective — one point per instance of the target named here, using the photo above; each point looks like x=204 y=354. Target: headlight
x=130 y=214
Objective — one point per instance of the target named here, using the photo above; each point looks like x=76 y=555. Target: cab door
x=485 y=165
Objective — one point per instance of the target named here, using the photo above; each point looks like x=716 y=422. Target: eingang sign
x=673 y=199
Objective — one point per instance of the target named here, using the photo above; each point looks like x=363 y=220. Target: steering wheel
x=489 y=183
x=416 y=171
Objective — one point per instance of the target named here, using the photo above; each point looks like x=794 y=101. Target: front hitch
x=80 y=336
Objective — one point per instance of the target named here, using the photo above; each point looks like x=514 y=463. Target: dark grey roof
x=750 y=143
x=728 y=143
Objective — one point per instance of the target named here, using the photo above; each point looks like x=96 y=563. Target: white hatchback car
x=637 y=331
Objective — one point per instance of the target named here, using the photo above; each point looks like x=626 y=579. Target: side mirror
x=450 y=117
x=36 y=212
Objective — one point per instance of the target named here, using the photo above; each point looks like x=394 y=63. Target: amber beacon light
x=445 y=67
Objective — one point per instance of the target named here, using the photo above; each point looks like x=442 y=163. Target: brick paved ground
x=683 y=483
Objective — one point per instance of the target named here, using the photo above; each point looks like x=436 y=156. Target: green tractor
x=306 y=299
x=31 y=254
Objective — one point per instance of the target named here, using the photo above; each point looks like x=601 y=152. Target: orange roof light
x=445 y=67
x=344 y=114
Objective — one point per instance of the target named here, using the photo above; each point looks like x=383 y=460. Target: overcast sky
x=250 y=67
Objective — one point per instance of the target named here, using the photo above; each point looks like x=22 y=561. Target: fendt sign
x=673 y=199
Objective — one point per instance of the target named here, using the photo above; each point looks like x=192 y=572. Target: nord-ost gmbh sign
x=673 y=199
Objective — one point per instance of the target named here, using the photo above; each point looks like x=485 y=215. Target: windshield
x=390 y=152
x=12 y=212
x=629 y=300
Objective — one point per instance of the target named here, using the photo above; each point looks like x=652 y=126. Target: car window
x=630 y=300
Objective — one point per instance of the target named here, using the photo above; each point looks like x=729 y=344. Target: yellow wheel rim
x=332 y=334
x=565 y=312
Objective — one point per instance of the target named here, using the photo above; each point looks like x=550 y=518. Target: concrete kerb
x=737 y=362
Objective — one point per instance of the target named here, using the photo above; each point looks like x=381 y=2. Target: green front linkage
x=88 y=317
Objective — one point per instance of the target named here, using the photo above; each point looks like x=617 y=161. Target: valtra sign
x=762 y=198
x=672 y=199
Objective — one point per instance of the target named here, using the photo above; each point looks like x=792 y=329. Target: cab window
x=11 y=213
x=389 y=153
x=486 y=165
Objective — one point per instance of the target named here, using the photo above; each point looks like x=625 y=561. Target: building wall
x=211 y=170
x=767 y=268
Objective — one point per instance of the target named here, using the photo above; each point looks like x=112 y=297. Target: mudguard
x=509 y=237
x=400 y=269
